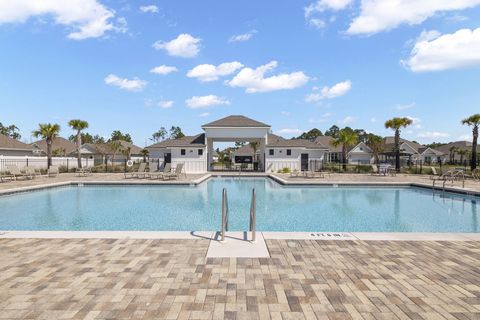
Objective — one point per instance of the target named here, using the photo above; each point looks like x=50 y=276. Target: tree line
x=346 y=137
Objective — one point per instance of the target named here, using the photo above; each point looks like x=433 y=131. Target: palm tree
x=79 y=125
x=116 y=147
x=462 y=154
x=48 y=132
x=375 y=143
x=144 y=153
x=396 y=124
x=473 y=121
x=452 y=150
x=347 y=138
x=254 y=145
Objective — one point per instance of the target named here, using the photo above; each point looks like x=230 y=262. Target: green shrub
x=284 y=170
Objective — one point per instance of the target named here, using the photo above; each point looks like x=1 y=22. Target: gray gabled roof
x=9 y=143
x=236 y=121
x=106 y=148
x=187 y=141
x=460 y=145
x=58 y=143
x=326 y=141
x=275 y=141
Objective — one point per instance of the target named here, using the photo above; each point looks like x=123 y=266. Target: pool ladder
x=253 y=214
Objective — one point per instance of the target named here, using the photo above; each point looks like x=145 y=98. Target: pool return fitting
x=253 y=215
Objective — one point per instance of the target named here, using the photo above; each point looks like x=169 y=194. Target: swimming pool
x=279 y=208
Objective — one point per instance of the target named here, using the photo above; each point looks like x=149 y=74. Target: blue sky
x=292 y=64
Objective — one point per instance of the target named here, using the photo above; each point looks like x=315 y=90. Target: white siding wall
x=360 y=158
x=193 y=163
x=280 y=159
x=16 y=153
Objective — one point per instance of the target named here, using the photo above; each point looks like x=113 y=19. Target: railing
x=224 y=213
x=451 y=175
x=253 y=215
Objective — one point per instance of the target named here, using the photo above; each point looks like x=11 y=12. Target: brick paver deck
x=172 y=279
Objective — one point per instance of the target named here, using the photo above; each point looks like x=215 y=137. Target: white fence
x=41 y=162
x=274 y=165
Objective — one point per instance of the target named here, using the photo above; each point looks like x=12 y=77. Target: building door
x=167 y=158
x=304 y=162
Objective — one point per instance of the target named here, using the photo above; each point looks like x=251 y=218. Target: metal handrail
x=253 y=215
x=224 y=213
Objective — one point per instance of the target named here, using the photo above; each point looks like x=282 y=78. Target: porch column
x=261 y=156
x=210 y=152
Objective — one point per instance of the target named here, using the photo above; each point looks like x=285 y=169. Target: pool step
x=236 y=245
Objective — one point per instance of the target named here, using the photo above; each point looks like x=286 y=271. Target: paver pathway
x=172 y=279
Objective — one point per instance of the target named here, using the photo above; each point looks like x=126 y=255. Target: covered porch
x=237 y=129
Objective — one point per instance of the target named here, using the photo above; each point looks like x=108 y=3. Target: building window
x=271 y=152
x=182 y=152
x=289 y=152
x=200 y=152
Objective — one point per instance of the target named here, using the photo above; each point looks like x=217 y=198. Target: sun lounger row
x=13 y=173
x=154 y=173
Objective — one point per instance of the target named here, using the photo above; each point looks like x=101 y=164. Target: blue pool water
x=279 y=208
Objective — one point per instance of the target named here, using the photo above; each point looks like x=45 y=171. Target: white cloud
x=324 y=118
x=289 y=131
x=441 y=52
x=209 y=72
x=317 y=8
x=416 y=122
x=407 y=106
x=185 y=46
x=326 y=92
x=347 y=120
x=134 y=84
x=373 y=120
x=165 y=104
x=163 y=69
x=242 y=37
x=317 y=23
x=204 y=114
x=84 y=18
x=382 y=15
x=150 y=8
x=324 y=5
x=433 y=135
x=465 y=137
x=198 y=102
x=285 y=113
x=253 y=80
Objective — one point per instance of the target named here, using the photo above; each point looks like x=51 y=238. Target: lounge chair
x=433 y=173
x=152 y=168
x=53 y=171
x=137 y=174
x=175 y=174
x=314 y=174
x=294 y=173
x=83 y=172
x=31 y=171
x=16 y=173
x=159 y=174
x=6 y=177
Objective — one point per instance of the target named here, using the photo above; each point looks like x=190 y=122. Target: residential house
x=61 y=147
x=411 y=151
x=13 y=147
x=103 y=153
x=457 y=152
